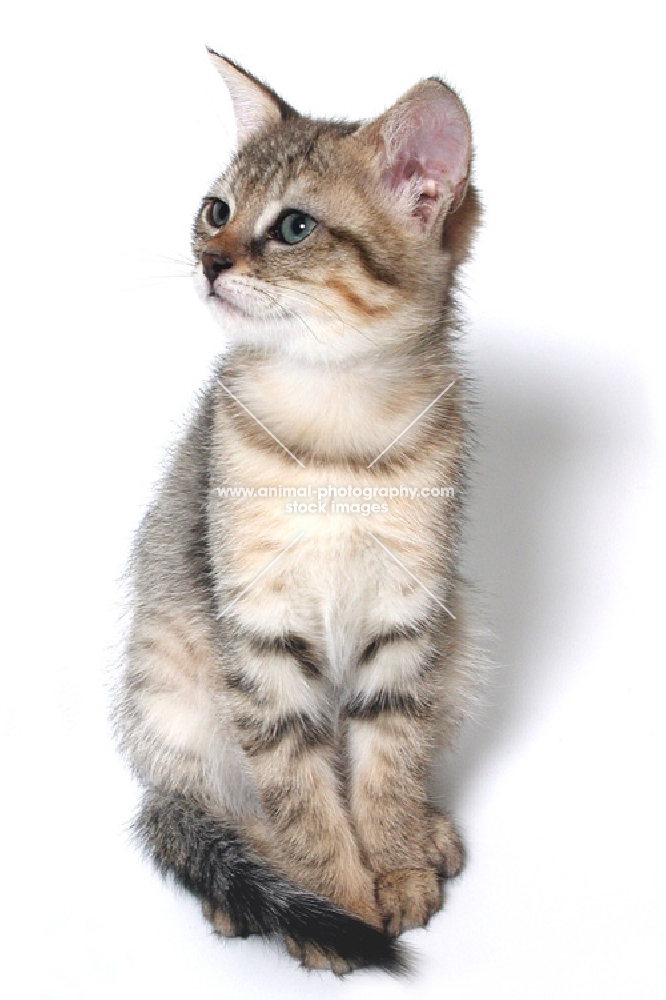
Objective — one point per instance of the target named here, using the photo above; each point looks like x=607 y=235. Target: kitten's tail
x=211 y=861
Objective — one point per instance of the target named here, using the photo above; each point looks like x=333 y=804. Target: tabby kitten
x=292 y=667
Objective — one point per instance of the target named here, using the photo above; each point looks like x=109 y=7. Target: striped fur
x=290 y=676
x=211 y=861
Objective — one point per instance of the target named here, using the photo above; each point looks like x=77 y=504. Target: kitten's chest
x=333 y=556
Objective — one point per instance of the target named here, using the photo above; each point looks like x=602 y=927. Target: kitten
x=292 y=667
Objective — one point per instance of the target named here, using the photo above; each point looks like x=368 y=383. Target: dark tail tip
x=212 y=861
x=310 y=920
x=356 y=943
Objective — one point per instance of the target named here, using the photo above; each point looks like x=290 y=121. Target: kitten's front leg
x=409 y=846
x=282 y=724
x=392 y=818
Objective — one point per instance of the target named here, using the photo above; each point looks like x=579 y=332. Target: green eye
x=292 y=227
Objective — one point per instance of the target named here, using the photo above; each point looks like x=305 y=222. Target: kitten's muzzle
x=214 y=264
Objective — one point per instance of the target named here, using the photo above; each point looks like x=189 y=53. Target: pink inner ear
x=427 y=143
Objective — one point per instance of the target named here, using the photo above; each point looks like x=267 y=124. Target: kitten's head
x=325 y=240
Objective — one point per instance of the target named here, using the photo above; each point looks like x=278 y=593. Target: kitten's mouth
x=225 y=302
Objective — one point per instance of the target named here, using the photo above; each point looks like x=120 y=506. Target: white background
x=113 y=125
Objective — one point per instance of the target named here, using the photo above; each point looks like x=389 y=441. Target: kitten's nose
x=213 y=264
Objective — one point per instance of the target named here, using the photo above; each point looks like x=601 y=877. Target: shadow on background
x=552 y=445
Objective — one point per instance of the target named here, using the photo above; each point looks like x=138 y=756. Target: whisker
x=187 y=265
x=164 y=277
x=324 y=305
x=180 y=260
x=283 y=311
x=152 y=281
x=297 y=293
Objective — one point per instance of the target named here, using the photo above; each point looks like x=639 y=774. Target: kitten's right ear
x=256 y=106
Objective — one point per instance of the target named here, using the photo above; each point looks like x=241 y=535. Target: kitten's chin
x=241 y=319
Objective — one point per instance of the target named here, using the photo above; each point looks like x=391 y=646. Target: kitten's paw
x=445 y=850
x=363 y=908
x=408 y=898
x=222 y=922
x=311 y=957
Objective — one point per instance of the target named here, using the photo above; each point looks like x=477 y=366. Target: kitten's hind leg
x=210 y=859
x=224 y=925
x=312 y=957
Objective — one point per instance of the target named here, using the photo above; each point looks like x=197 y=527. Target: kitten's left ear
x=256 y=106
x=424 y=148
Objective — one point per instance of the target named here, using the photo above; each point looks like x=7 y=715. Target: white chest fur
x=323 y=552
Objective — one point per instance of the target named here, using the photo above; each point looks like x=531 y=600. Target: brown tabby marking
x=290 y=676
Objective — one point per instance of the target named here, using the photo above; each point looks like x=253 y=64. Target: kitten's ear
x=255 y=105
x=424 y=148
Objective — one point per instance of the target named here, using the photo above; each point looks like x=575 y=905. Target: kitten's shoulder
x=171 y=543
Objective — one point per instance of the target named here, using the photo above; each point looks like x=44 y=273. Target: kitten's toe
x=222 y=922
x=446 y=850
x=408 y=898
x=311 y=957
